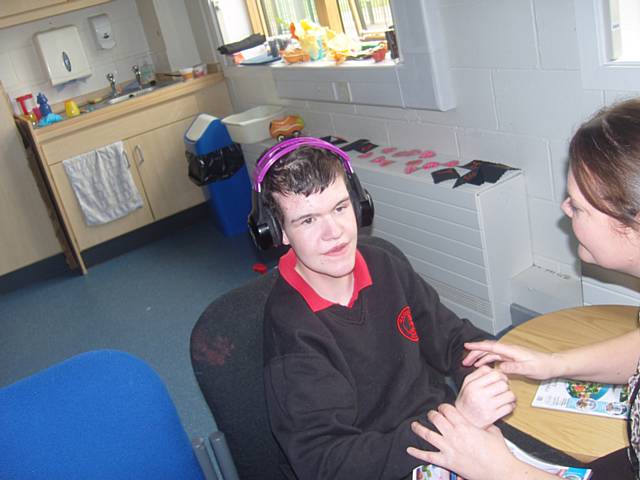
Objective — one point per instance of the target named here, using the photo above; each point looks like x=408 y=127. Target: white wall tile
x=407 y=114
x=556 y=27
x=559 y=168
x=316 y=123
x=546 y=103
x=21 y=69
x=27 y=65
x=528 y=153
x=330 y=107
x=441 y=139
x=490 y=33
x=614 y=96
x=351 y=126
x=475 y=103
x=8 y=75
x=552 y=237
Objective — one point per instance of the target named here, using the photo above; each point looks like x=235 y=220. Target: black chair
x=226 y=355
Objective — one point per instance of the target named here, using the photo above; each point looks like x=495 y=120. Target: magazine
x=583 y=397
x=433 y=472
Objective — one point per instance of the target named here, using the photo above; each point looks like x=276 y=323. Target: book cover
x=590 y=398
x=433 y=472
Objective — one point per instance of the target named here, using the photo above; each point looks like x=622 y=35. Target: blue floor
x=145 y=302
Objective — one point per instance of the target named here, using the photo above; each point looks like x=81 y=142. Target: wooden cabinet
x=14 y=7
x=152 y=128
x=26 y=232
x=15 y=12
x=89 y=236
x=160 y=159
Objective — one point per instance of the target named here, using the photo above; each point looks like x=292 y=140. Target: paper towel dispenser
x=63 y=55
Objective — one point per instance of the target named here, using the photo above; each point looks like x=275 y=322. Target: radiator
x=466 y=242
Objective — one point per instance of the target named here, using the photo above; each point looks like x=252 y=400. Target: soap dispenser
x=101 y=26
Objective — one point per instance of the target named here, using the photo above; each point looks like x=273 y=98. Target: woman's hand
x=485 y=397
x=465 y=449
x=514 y=360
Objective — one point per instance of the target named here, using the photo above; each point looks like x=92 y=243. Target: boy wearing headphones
x=356 y=344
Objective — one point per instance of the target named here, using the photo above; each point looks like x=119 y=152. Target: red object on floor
x=261 y=268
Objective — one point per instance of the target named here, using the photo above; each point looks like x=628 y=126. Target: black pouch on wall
x=217 y=165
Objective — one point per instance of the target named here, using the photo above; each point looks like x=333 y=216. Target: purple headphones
x=264 y=227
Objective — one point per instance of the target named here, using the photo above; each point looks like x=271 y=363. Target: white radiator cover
x=466 y=242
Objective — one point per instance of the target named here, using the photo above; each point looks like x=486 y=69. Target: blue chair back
x=101 y=415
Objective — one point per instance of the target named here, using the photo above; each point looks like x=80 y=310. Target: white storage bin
x=252 y=126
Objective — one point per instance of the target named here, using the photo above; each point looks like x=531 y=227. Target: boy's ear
x=285 y=239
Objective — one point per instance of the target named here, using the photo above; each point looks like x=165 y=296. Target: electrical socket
x=341 y=92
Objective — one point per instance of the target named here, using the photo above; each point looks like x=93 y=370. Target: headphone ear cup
x=366 y=210
x=263 y=226
x=275 y=230
x=361 y=201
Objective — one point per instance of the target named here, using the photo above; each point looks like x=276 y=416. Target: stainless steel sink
x=134 y=93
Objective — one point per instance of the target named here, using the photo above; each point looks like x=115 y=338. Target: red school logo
x=405 y=324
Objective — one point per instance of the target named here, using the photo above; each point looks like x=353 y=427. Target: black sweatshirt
x=343 y=384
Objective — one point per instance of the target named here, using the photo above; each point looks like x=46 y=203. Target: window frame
x=598 y=73
x=420 y=78
x=328 y=15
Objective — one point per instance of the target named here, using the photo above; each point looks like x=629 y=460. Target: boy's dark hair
x=605 y=161
x=305 y=171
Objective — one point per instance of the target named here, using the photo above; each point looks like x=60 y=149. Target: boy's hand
x=485 y=397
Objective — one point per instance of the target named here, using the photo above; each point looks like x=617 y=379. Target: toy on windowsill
x=286 y=127
x=294 y=55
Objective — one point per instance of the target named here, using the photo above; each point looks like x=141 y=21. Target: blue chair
x=100 y=415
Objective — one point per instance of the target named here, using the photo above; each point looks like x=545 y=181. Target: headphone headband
x=281 y=149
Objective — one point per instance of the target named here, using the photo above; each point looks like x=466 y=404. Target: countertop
x=89 y=119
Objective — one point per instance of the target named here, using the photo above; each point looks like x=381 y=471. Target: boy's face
x=322 y=230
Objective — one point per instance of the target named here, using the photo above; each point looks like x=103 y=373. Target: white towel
x=103 y=184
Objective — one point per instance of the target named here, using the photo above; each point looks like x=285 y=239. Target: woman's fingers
x=435 y=458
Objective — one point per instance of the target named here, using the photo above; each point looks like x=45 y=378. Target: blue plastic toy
x=45 y=108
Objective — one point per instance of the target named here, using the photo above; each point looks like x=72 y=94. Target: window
x=360 y=19
x=609 y=43
x=418 y=78
x=624 y=31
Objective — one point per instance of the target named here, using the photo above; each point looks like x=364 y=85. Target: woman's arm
x=610 y=361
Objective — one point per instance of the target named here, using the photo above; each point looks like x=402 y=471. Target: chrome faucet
x=112 y=82
x=136 y=72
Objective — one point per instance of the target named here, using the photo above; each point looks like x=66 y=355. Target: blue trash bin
x=217 y=163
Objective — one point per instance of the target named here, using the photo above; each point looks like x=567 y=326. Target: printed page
x=583 y=397
x=433 y=472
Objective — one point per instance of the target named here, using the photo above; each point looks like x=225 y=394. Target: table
x=584 y=437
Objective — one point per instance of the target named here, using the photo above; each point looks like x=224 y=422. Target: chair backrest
x=226 y=355
x=101 y=415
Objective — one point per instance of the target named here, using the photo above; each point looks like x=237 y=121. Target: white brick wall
x=515 y=65
x=21 y=70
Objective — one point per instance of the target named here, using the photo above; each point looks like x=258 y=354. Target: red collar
x=287 y=264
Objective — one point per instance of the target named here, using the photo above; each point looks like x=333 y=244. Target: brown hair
x=605 y=161
x=305 y=171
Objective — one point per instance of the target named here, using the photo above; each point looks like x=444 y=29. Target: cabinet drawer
x=133 y=124
x=88 y=236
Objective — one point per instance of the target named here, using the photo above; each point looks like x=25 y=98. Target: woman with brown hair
x=603 y=204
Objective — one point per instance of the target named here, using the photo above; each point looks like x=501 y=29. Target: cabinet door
x=88 y=236
x=13 y=7
x=159 y=155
